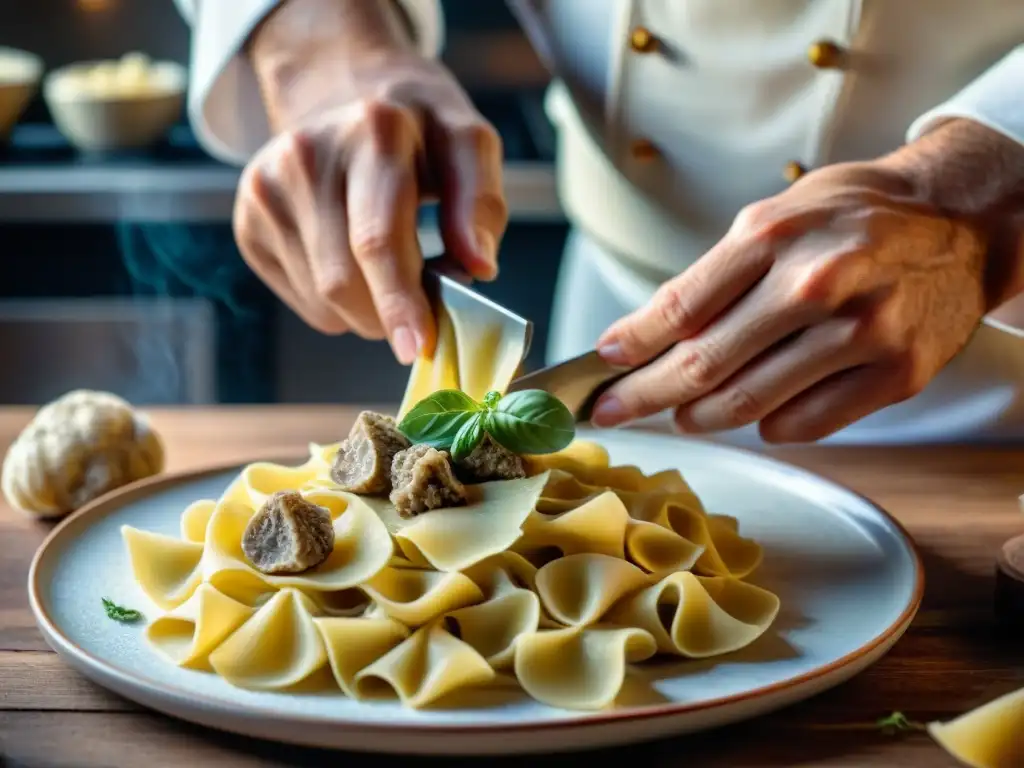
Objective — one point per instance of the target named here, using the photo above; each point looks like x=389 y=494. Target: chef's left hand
x=844 y=294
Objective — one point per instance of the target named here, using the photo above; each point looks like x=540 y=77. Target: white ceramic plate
x=848 y=575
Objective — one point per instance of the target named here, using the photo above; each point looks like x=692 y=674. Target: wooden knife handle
x=1009 y=602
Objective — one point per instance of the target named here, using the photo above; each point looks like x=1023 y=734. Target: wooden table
x=959 y=503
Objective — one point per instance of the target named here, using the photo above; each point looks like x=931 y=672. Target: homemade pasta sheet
x=559 y=580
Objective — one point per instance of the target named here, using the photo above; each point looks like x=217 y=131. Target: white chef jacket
x=674 y=114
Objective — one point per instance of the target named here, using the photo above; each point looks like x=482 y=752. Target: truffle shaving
x=288 y=535
x=490 y=461
x=422 y=480
x=363 y=463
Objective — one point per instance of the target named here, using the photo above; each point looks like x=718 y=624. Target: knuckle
x=819 y=282
x=866 y=333
x=481 y=137
x=333 y=288
x=756 y=221
x=389 y=126
x=373 y=246
x=491 y=206
x=740 y=406
x=290 y=145
x=881 y=331
x=695 y=367
x=674 y=310
x=332 y=283
x=751 y=215
x=810 y=285
x=847 y=333
x=380 y=114
x=393 y=307
x=293 y=150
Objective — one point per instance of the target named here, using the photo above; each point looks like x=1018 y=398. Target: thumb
x=473 y=210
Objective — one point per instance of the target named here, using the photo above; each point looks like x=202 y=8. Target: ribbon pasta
x=561 y=579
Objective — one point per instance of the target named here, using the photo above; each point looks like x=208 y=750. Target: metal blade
x=577 y=382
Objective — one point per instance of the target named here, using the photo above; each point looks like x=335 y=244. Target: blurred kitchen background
x=86 y=298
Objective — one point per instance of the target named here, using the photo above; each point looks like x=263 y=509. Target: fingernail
x=403 y=342
x=608 y=412
x=611 y=352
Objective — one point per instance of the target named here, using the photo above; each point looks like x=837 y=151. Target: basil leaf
x=468 y=437
x=531 y=421
x=491 y=400
x=436 y=419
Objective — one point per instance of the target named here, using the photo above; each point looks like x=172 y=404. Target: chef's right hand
x=326 y=211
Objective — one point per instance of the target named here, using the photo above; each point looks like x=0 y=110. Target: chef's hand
x=842 y=295
x=365 y=128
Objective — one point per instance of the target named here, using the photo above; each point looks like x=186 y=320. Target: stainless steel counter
x=201 y=193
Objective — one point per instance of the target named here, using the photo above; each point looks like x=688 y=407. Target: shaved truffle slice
x=363 y=463
x=422 y=479
x=490 y=461
x=288 y=535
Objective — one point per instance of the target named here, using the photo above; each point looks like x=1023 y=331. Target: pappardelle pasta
x=559 y=578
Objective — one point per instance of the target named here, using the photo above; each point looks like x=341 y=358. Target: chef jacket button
x=793 y=171
x=643 y=150
x=825 y=54
x=642 y=40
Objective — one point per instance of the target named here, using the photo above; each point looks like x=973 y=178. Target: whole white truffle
x=77 y=448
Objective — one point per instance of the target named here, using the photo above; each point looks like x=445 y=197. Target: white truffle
x=74 y=450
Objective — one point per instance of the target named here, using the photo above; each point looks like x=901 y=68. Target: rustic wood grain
x=960 y=504
x=39 y=680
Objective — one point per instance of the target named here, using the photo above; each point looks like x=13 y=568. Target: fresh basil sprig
x=436 y=419
x=527 y=422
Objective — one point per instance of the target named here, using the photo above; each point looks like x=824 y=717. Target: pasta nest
x=557 y=582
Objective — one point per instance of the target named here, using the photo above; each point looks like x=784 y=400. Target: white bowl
x=20 y=73
x=98 y=110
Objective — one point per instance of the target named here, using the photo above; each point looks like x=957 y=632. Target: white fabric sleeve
x=224 y=104
x=996 y=100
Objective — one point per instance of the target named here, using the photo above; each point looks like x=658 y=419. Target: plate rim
x=114 y=500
